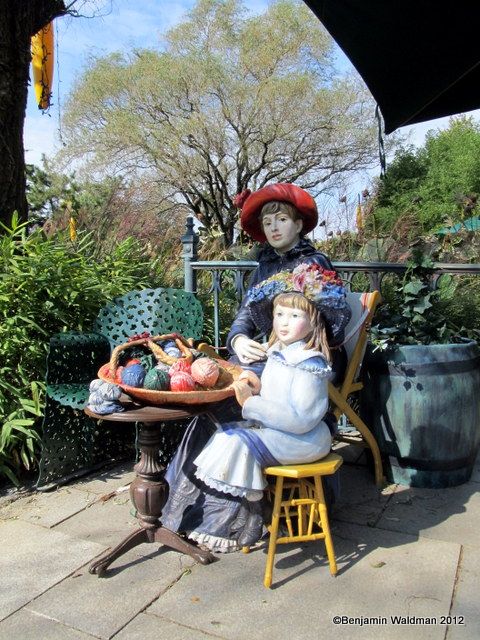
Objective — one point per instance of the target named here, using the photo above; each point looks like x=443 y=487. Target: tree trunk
x=19 y=21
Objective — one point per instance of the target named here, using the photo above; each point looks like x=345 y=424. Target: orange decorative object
x=205 y=372
x=181 y=365
x=42 y=65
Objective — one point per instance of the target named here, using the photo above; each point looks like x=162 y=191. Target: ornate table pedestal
x=149 y=491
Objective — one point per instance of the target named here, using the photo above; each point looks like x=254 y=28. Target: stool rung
x=298 y=501
x=304 y=538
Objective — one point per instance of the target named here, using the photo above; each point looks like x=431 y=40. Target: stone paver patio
x=411 y=553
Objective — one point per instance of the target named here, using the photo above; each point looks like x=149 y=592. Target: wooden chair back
x=363 y=307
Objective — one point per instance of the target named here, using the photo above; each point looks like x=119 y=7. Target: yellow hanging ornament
x=42 y=65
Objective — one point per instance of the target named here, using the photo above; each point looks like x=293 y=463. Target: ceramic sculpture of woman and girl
x=216 y=484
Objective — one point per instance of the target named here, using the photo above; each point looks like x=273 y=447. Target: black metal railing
x=236 y=273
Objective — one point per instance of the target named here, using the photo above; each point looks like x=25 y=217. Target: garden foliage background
x=51 y=284
x=232 y=101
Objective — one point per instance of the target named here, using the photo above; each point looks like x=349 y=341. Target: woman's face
x=291 y=324
x=281 y=231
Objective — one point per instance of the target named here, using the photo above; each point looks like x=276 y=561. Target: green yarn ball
x=157 y=380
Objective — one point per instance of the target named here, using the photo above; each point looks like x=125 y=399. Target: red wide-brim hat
x=282 y=192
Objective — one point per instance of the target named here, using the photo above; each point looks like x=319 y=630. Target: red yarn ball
x=118 y=375
x=180 y=365
x=182 y=381
x=132 y=361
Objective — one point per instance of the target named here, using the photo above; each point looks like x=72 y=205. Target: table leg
x=148 y=493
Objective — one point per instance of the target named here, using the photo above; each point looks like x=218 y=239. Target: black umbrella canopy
x=420 y=59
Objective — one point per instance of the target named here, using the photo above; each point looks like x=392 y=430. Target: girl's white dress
x=286 y=416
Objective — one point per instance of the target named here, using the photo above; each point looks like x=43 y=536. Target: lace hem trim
x=220 y=486
x=214 y=543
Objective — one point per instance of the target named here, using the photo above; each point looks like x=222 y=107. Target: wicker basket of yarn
x=196 y=381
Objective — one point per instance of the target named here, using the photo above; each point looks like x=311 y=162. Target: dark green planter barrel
x=423 y=405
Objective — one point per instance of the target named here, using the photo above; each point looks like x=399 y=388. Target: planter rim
x=452 y=357
x=431 y=347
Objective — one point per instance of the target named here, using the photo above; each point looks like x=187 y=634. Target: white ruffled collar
x=294 y=353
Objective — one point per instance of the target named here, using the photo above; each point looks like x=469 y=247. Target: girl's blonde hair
x=318 y=338
x=275 y=206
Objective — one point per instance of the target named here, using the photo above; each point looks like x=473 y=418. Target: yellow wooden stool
x=303 y=491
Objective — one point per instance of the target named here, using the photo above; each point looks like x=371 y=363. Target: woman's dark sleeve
x=243 y=323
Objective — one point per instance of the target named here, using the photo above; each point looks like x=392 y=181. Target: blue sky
x=123 y=26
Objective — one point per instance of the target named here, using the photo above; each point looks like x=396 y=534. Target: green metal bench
x=73 y=443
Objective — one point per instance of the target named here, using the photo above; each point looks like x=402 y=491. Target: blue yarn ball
x=133 y=375
x=171 y=349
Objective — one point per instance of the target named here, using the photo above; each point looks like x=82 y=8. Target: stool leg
x=302 y=516
x=325 y=524
x=272 y=543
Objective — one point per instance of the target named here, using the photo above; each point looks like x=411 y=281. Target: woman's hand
x=249 y=350
x=252 y=380
x=242 y=391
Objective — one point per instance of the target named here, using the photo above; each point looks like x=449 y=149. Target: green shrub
x=49 y=285
x=414 y=313
x=431 y=185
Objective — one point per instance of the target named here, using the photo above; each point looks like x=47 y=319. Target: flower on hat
x=319 y=285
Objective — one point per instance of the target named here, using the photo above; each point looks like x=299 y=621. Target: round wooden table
x=149 y=491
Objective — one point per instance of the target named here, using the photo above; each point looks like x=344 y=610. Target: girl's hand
x=252 y=380
x=242 y=391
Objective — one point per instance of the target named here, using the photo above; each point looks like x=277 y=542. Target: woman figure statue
x=279 y=215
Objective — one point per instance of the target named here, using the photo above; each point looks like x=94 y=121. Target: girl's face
x=291 y=324
x=281 y=231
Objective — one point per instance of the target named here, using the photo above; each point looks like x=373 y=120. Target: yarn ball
x=133 y=375
x=182 y=381
x=148 y=361
x=132 y=361
x=104 y=390
x=118 y=375
x=180 y=365
x=171 y=349
x=205 y=371
x=157 y=380
x=161 y=366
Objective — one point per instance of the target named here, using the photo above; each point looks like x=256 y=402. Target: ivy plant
x=416 y=313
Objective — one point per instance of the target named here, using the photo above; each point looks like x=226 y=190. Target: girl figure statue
x=284 y=423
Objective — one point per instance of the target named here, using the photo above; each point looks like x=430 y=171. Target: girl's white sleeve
x=302 y=410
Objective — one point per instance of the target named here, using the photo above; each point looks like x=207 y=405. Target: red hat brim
x=282 y=192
